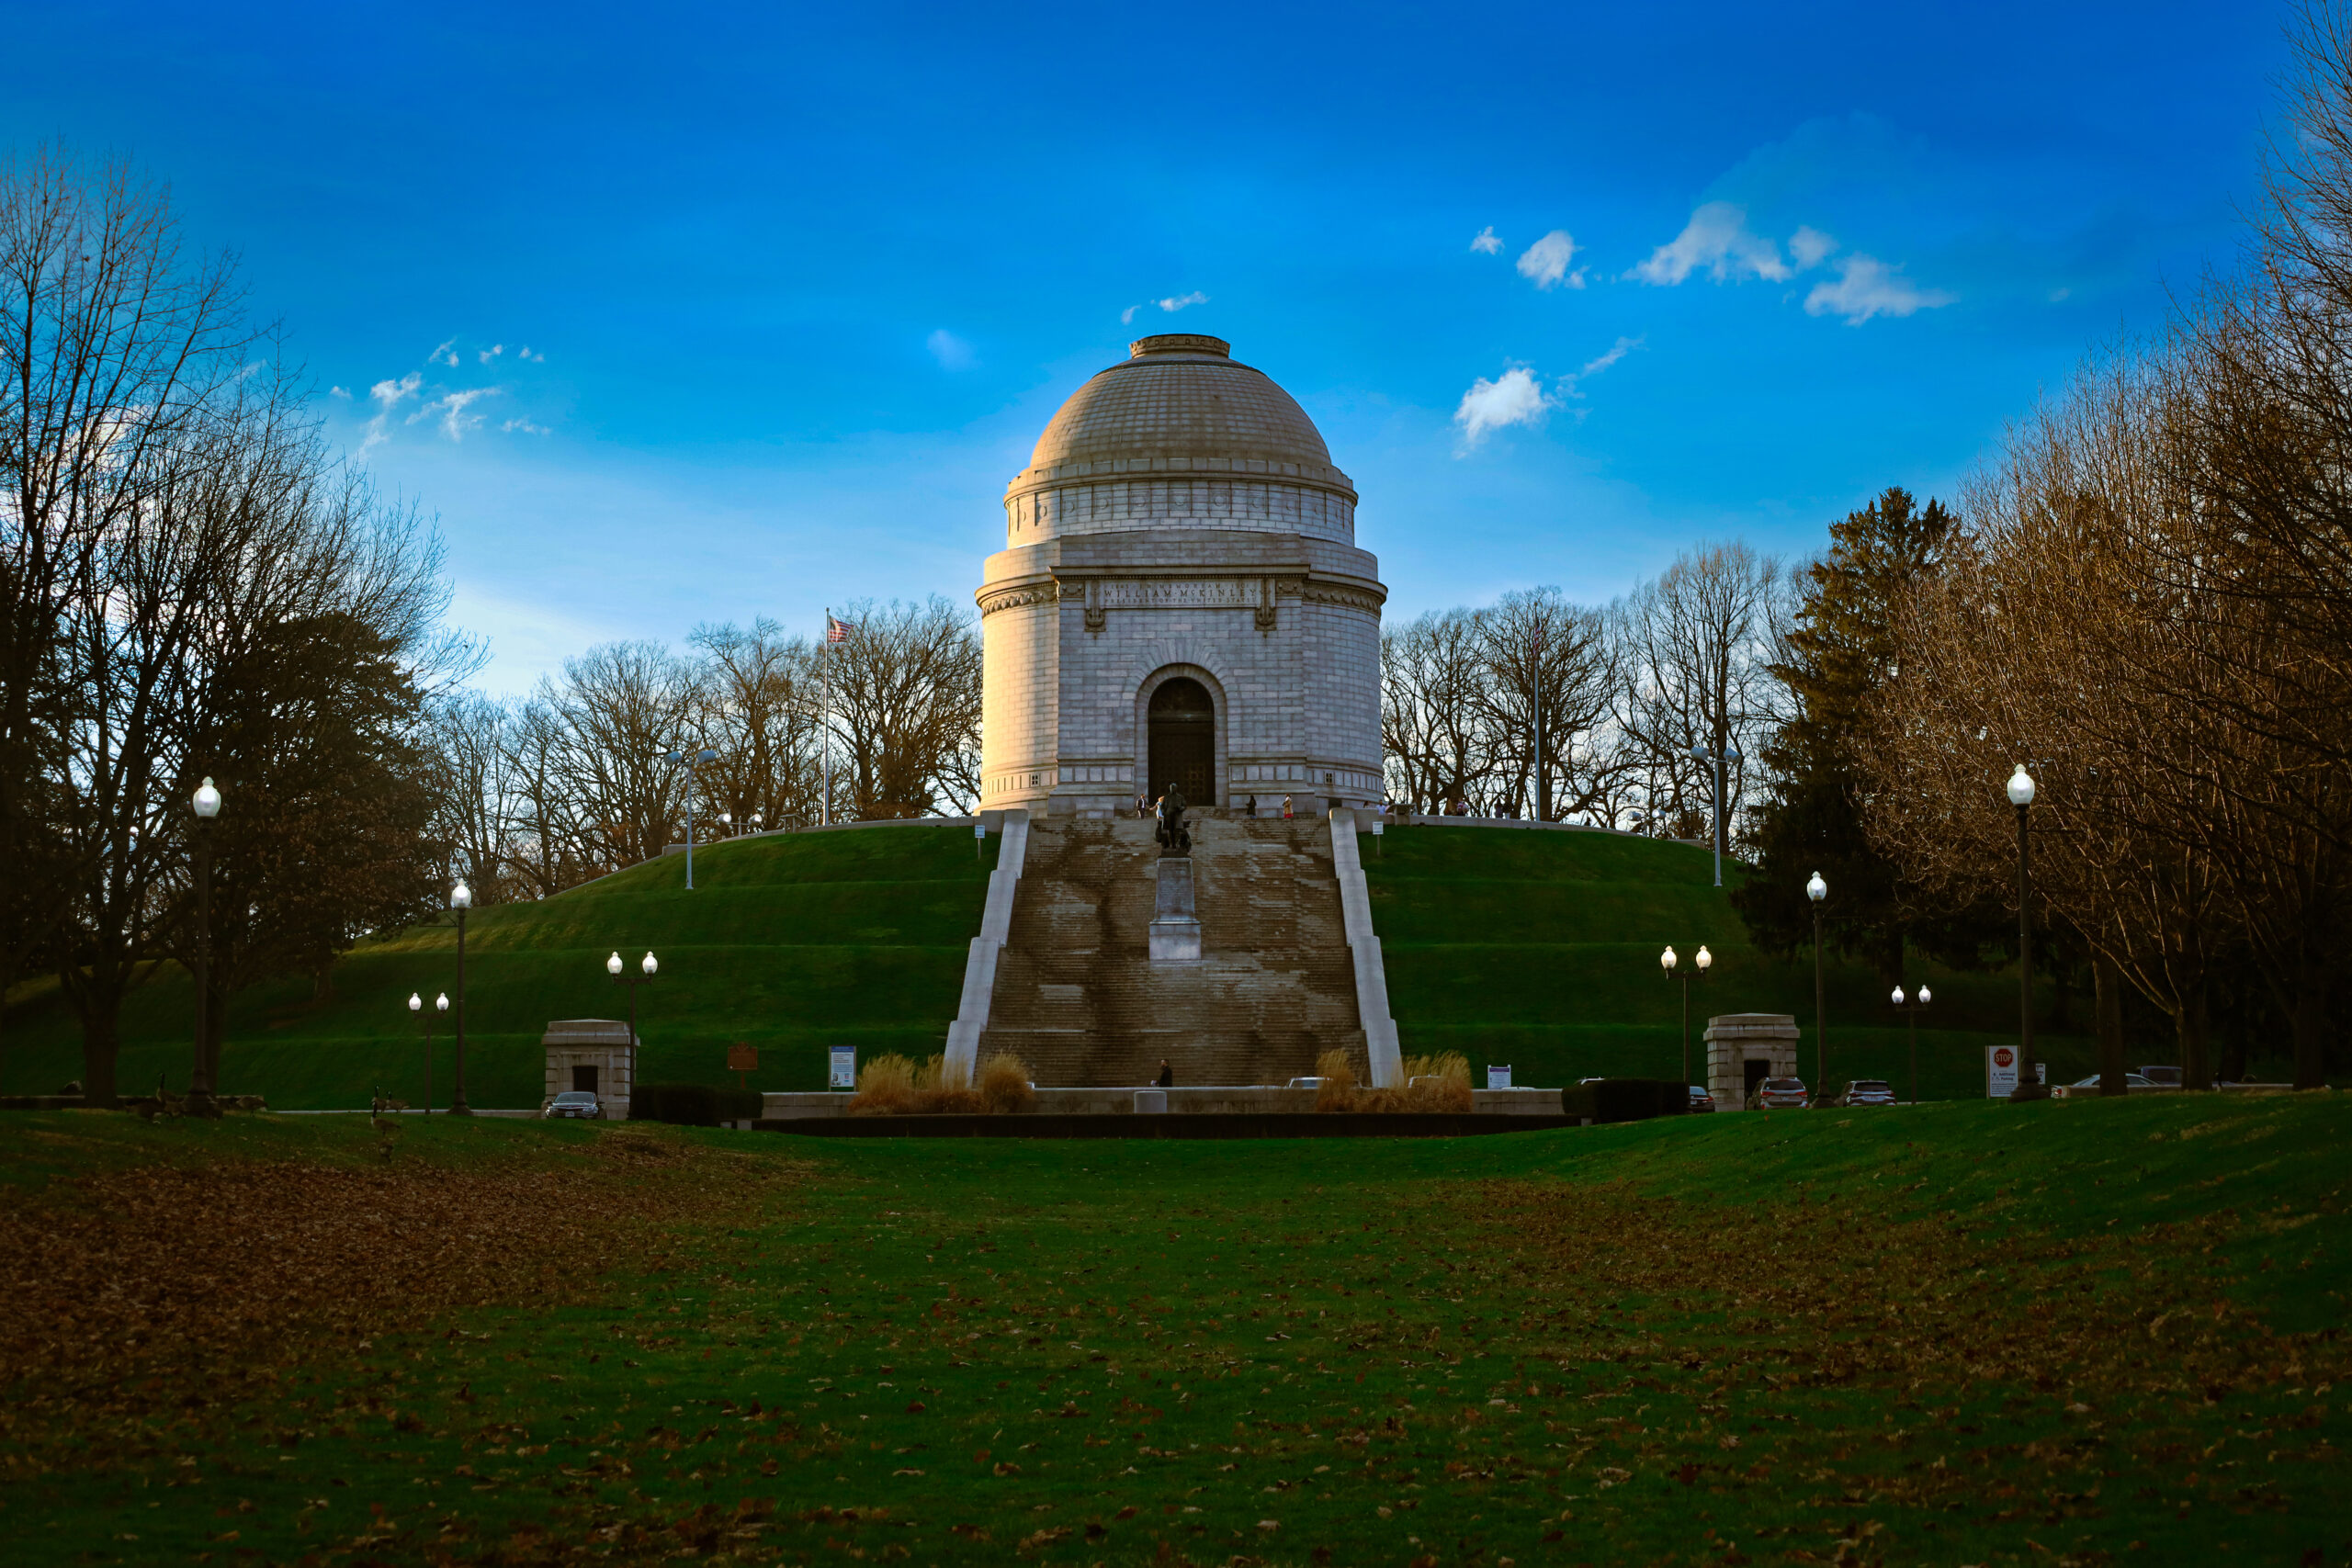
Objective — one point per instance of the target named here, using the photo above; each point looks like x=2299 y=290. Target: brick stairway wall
x=1078 y=999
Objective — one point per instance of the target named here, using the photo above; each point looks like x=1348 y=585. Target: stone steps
x=1078 y=999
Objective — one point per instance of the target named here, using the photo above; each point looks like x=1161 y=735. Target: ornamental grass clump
x=1431 y=1084
x=895 y=1085
x=1004 y=1086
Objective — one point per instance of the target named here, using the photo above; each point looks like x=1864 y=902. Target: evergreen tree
x=1839 y=650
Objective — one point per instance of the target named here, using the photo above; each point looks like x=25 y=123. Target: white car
x=574 y=1103
x=2134 y=1083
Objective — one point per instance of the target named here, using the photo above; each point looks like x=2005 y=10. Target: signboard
x=1498 y=1077
x=743 y=1058
x=844 y=1070
x=2001 y=1071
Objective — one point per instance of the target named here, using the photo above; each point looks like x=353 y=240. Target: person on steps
x=1167 y=1079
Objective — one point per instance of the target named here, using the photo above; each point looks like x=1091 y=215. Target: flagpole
x=825 y=663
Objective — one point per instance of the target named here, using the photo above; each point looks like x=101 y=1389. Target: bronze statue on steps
x=1175 y=838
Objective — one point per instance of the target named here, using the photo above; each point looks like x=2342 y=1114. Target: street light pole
x=1911 y=1011
x=2030 y=1084
x=693 y=781
x=206 y=806
x=461 y=898
x=1668 y=962
x=613 y=967
x=1818 y=890
x=1725 y=753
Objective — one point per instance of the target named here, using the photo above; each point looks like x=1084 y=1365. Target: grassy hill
x=1541 y=949
x=1537 y=949
x=793 y=942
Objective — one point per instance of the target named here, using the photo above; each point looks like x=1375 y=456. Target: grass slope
x=1960 y=1334
x=792 y=942
x=1541 y=949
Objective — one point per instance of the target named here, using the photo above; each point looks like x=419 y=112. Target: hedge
x=693 y=1104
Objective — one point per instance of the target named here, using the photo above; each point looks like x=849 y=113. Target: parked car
x=1700 y=1099
x=2134 y=1083
x=1868 y=1091
x=2161 y=1078
x=1783 y=1094
x=575 y=1103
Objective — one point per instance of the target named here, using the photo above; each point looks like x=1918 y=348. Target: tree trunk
x=2309 y=1023
x=2195 y=1040
x=101 y=1043
x=2107 y=1011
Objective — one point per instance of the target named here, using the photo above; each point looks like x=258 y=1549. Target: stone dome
x=1180 y=403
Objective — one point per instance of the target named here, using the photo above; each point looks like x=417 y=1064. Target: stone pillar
x=1735 y=1038
x=1175 y=930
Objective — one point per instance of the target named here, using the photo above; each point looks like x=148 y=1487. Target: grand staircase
x=1078 y=998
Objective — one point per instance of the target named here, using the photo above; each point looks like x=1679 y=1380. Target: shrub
x=692 y=1104
x=1625 y=1100
x=885 y=1087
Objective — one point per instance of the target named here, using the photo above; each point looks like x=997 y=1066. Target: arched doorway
x=1183 y=740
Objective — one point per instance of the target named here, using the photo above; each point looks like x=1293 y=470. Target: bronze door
x=1183 y=741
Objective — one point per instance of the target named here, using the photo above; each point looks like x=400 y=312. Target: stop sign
x=2004 y=1057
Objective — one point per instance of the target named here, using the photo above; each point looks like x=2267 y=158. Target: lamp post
x=416 y=1005
x=1717 y=761
x=1910 y=1009
x=614 y=967
x=461 y=898
x=1818 y=890
x=1700 y=965
x=694 y=780
x=2030 y=1084
x=206 y=806
x=757 y=818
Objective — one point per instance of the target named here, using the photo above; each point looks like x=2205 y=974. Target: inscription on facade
x=1178 y=594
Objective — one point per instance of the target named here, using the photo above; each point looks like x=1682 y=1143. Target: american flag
x=835 y=631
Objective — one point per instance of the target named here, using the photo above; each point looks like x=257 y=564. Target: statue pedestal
x=1175 y=930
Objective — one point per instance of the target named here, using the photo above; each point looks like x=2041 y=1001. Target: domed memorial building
x=1181 y=599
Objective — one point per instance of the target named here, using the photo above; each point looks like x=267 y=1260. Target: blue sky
x=798 y=287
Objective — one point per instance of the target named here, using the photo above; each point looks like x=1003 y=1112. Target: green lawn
x=2086 y=1332
x=792 y=942
x=1541 y=949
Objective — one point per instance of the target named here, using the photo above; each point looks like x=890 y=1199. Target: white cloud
x=524 y=427
x=525 y=352
x=1717 y=237
x=1515 y=397
x=1617 y=351
x=1486 y=243
x=446 y=355
x=492 y=352
x=1175 y=302
x=451 y=407
x=343 y=392
x=1128 y=314
x=952 y=352
x=390 y=394
x=1866 y=287
x=1546 y=261
x=1810 y=246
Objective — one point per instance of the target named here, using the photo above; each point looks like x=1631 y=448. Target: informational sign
x=743 y=1058
x=2001 y=1071
x=1499 y=1075
x=844 y=1073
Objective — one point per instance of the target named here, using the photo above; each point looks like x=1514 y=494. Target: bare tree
x=766 y=723
x=623 y=707
x=1434 y=675
x=904 y=694
x=1541 y=649
x=113 y=345
x=1695 y=650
